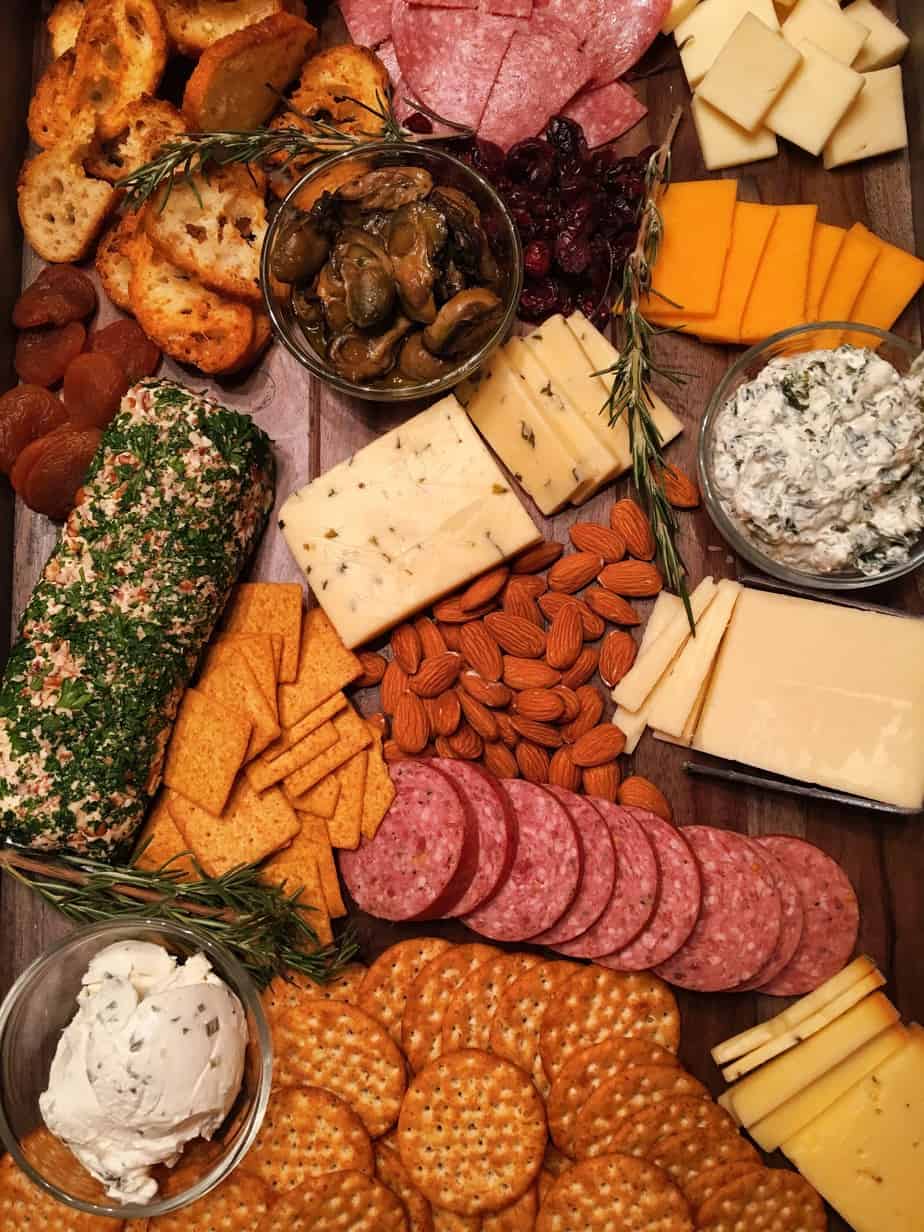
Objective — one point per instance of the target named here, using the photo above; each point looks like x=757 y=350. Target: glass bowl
x=446 y=171
x=897 y=351
x=40 y=1005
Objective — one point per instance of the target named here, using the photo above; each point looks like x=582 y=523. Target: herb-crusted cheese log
x=175 y=500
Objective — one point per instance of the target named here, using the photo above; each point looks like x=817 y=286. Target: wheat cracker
x=229 y=680
x=314 y=836
x=236 y=1205
x=320 y=800
x=296 y=871
x=687 y=1155
x=164 y=846
x=624 y=1097
x=768 y=1200
x=383 y=993
x=344 y=827
x=248 y=829
x=380 y=790
x=517 y=1021
x=263 y=773
x=390 y=1170
x=308 y=1132
x=352 y=737
x=429 y=996
x=676 y=1115
x=614 y=1194
x=335 y=1203
x=467 y=1022
x=306 y=725
x=292 y=993
x=520 y=1216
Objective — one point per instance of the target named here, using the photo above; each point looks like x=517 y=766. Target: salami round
x=425 y=854
x=831 y=916
x=635 y=890
x=622 y=34
x=497 y=829
x=546 y=869
x=679 y=899
x=740 y=918
x=791 y=926
x=598 y=870
x=606 y=113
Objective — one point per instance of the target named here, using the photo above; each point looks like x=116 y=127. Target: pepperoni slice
x=127 y=343
x=59 y=295
x=60 y=469
x=26 y=413
x=44 y=355
x=94 y=386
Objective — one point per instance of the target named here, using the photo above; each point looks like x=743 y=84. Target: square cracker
x=165 y=844
x=353 y=736
x=251 y=827
x=321 y=800
x=314 y=835
x=269 y=607
x=324 y=666
x=207 y=748
x=263 y=773
x=380 y=791
x=300 y=870
x=229 y=679
x=260 y=653
x=304 y=727
x=345 y=826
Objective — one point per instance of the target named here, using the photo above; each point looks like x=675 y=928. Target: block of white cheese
x=875 y=124
x=678 y=12
x=749 y=73
x=885 y=45
x=632 y=723
x=724 y=144
x=709 y=27
x=864 y=1153
x=823 y=693
x=816 y=99
x=823 y=24
x=414 y=514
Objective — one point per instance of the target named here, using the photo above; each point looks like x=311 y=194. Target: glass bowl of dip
x=791 y=343
x=33 y=1016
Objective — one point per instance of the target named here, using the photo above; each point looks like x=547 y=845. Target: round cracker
x=555 y=1162
x=383 y=992
x=198 y=1158
x=518 y=1018
x=620 y=1099
x=703 y=1186
x=587 y=1070
x=686 y=1156
x=770 y=1198
x=390 y=1170
x=27 y=1208
x=615 y=1193
x=520 y=1216
x=308 y=1132
x=449 y=1221
x=472 y=1132
x=335 y=1202
x=546 y=1180
x=238 y=1204
x=336 y=1046
x=429 y=996
x=637 y=1135
x=286 y=994
x=596 y=1004
x=467 y=1021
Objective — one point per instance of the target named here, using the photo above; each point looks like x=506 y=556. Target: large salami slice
x=635 y=891
x=606 y=113
x=368 y=21
x=622 y=34
x=679 y=898
x=545 y=873
x=831 y=913
x=598 y=870
x=425 y=854
x=791 y=926
x=578 y=16
x=497 y=830
x=740 y=918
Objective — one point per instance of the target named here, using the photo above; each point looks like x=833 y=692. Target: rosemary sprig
x=630 y=390
x=263 y=925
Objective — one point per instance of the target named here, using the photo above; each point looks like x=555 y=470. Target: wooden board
x=884 y=858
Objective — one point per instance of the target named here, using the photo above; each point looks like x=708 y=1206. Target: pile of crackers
x=269 y=763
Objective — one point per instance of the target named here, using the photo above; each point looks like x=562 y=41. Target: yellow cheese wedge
x=826 y=244
x=697 y=236
x=632 y=723
x=893 y=282
x=778 y=294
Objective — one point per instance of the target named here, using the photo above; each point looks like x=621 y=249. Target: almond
x=445 y=749
x=484 y=589
x=479 y=717
x=538 y=733
x=481 y=651
x=552 y=603
x=601 y=781
x=563 y=772
x=431 y=640
x=529 y=673
x=611 y=607
x=566 y=637
x=637 y=792
x=571 y=703
x=451 y=635
x=592 y=537
x=466 y=743
x=410 y=727
x=617 y=654
x=393 y=752
x=451 y=612
x=601 y=744
x=581 y=669
x=515 y=635
x=506 y=730
x=636 y=578
x=542 y=704
x=379 y=721
x=488 y=692
x=437 y=674
x=573 y=572
x=406 y=649
x=680 y=490
x=444 y=713
x=533 y=762
x=628 y=520
x=532 y=584
x=394 y=685
x=591 y=713
x=500 y=761
x=539 y=558
x=373 y=666
x=518 y=603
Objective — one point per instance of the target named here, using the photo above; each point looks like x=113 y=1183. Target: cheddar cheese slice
x=859 y=253
x=698 y=219
x=826 y=244
x=778 y=295
x=893 y=282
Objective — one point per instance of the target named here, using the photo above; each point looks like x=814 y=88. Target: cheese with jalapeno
x=820 y=461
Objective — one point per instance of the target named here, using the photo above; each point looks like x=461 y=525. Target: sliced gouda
x=723 y=144
x=632 y=723
x=826 y=244
x=885 y=43
x=709 y=27
x=815 y=100
x=827 y=27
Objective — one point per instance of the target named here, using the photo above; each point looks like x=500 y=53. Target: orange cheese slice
x=826 y=244
x=859 y=253
x=751 y=233
x=778 y=294
x=892 y=284
x=698 y=220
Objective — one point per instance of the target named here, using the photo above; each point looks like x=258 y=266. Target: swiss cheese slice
x=632 y=723
x=780 y=289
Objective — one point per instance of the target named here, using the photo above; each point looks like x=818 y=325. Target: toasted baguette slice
x=50 y=110
x=114 y=260
x=64 y=24
x=61 y=209
x=194 y=25
x=149 y=123
x=230 y=87
x=262 y=337
x=121 y=55
x=189 y=322
x=214 y=230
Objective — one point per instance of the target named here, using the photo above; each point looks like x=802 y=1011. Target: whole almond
x=572 y=573
x=636 y=578
x=542 y=704
x=680 y=490
x=515 y=635
x=431 y=640
x=466 y=742
x=601 y=781
x=552 y=603
x=393 y=752
x=518 y=603
x=406 y=649
x=506 y=730
x=394 y=685
x=539 y=558
x=373 y=666
x=410 y=728
x=489 y=692
x=638 y=792
x=533 y=584
x=563 y=772
x=533 y=762
x=481 y=651
x=479 y=717
x=444 y=712
x=566 y=637
x=628 y=520
x=617 y=654
x=537 y=733
x=500 y=761
x=436 y=674
x=581 y=669
x=530 y=673
x=451 y=635
x=484 y=589
x=571 y=703
x=590 y=715
x=379 y=721
x=592 y=537
x=601 y=744
x=445 y=749
x=611 y=607
x=451 y=612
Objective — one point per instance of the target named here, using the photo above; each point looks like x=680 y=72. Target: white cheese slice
x=724 y=144
x=815 y=101
x=632 y=723
x=678 y=12
x=749 y=73
x=709 y=27
x=823 y=24
x=875 y=124
x=885 y=45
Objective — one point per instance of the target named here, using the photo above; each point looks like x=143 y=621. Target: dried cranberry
x=568 y=139
x=572 y=252
x=537 y=259
x=531 y=162
x=418 y=123
x=524 y=224
x=484 y=156
x=540 y=298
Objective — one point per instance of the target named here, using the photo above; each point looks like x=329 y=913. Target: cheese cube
x=875 y=124
x=679 y=11
x=827 y=27
x=724 y=144
x=815 y=100
x=709 y=27
x=885 y=45
x=749 y=73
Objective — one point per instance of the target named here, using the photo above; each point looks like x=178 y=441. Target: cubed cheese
x=749 y=73
x=875 y=124
x=885 y=45
x=724 y=144
x=816 y=99
x=827 y=27
x=679 y=11
x=709 y=27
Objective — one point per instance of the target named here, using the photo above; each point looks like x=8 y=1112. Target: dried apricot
x=60 y=469
x=43 y=355
x=26 y=413
x=127 y=342
x=59 y=295
x=94 y=385
x=22 y=467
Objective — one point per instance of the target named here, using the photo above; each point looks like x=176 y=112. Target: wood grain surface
x=884 y=858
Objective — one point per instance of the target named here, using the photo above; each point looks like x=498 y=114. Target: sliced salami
x=635 y=890
x=578 y=15
x=425 y=853
x=679 y=899
x=831 y=916
x=443 y=4
x=740 y=918
x=606 y=113
x=509 y=8
x=791 y=926
x=497 y=830
x=622 y=34
x=546 y=869
x=368 y=21
x=598 y=870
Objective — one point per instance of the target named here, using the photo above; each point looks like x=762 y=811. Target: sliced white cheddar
x=759 y=1094
x=796 y=1113
x=815 y=101
x=724 y=144
x=875 y=124
x=755 y=1037
x=827 y=27
x=749 y=73
x=885 y=45
x=632 y=723
x=685 y=739
x=725 y=1101
x=709 y=27
x=679 y=10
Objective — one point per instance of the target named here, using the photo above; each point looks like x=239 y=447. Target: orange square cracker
x=324 y=666
x=251 y=827
x=207 y=748
x=269 y=607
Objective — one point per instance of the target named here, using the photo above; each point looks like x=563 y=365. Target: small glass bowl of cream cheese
x=159 y=1033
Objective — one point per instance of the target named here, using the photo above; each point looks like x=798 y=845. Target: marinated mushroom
x=363 y=357
x=416 y=235
x=468 y=242
x=388 y=188
x=365 y=269
x=301 y=249
x=463 y=323
x=332 y=294
x=416 y=363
